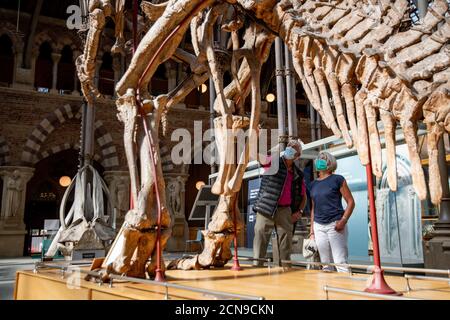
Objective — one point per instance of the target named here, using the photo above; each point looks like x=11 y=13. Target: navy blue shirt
x=327 y=199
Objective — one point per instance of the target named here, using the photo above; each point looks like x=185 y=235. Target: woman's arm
x=348 y=197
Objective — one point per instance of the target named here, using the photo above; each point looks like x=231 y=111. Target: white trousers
x=332 y=245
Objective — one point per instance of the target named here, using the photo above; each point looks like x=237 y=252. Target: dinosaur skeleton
x=357 y=63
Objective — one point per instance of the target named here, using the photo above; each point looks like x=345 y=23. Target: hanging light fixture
x=199 y=185
x=202 y=88
x=65 y=181
x=270 y=97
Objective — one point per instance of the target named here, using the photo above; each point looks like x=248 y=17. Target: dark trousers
x=263 y=231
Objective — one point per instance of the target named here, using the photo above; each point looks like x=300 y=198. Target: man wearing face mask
x=280 y=203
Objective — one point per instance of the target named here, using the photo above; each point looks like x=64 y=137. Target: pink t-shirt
x=285 y=198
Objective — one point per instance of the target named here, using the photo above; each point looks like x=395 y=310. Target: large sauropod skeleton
x=358 y=61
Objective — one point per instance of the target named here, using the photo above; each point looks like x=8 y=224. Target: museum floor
x=252 y=282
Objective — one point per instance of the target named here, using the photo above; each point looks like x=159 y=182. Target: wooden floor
x=297 y=284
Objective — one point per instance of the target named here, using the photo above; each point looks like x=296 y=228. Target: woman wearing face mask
x=328 y=217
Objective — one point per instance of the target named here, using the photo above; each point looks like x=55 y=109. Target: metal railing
x=369 y=268
x=411 y=276
x=364 y=294
x=65 y=262
x=267 y=260
x=167 y=285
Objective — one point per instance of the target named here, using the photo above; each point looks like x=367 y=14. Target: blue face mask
x=321 y=165
x=289 y=153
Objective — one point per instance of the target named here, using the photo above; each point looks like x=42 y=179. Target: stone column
x=12 y=226
x=98 y=65
x=18 y=59
x=119 y=190
x=117 y=70
x=122 y=65
x=281 y=105
x=264 y=110
x=32 y=71
x=212 y=99
x=182 y=74
x=171 y=77
x=422 y=6
x=75 y=91
x=175 y=197
x=55 y=57
x=290 y=94
x=24 y=78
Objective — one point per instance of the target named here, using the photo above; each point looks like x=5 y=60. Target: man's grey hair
x=330 y=159
x=297 y=144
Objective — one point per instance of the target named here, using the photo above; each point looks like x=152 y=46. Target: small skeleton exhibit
x=358 y=61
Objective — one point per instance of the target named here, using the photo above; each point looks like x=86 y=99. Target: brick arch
x=166 y=161
x=4 y=152
x=62 y=147
x=110 y=159
x=31 y=152
x=105 y=47
x=73 y=43
x=10 y=30
x=42 y=37
x=44 y=129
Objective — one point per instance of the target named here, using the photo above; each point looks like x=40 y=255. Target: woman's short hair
x=330 y=159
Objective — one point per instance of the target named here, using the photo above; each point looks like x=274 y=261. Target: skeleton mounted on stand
x=355 y=68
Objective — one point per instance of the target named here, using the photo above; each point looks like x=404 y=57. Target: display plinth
x=296 y=284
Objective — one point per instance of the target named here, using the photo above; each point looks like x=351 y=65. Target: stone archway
x=44 y=191
x=32 y=149
x=10 y=30
x=4 y=152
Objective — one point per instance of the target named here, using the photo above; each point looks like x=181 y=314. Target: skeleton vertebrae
x=397 y=76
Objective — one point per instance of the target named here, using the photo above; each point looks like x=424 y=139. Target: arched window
x=66 y=69
x=43 y=75
x=198 y=96
x=159 y=81
x=6 y=61
x=302 y=102
x=106 y=76
x=271 y=99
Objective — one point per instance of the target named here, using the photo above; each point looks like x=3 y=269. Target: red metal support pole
x=378 y=284
x=135 y=14
x=236 y=266
x=135 y=4
x=159 y=275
